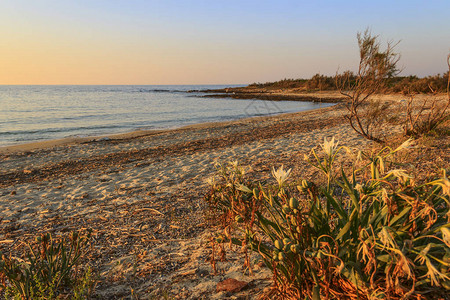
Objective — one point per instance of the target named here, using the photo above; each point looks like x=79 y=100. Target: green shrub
x=373 y=234
x=50 y=271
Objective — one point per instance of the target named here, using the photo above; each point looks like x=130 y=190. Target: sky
x=210 y=41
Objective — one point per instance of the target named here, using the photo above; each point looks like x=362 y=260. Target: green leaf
x=340 y=211
x=384 y=258
x=375 y=221
x=399 y=216
x=350 y=190
x=316 y=292
x=366 y=215
x=344 y=230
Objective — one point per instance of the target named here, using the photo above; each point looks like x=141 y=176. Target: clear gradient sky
x=210 y=41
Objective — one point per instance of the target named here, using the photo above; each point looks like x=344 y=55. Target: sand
x=142 y=195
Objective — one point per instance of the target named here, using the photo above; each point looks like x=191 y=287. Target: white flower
x=348 y=150
x=280 y=175
x=400 y=174
x=446 y=235
x=329 y=147
x=359 y=156
x=243 y=188
x=386 y=238
x=422 y=257
x=359 y=188
x=211 y=181
x=434 y=274
x=406 y=145
x=445 y=185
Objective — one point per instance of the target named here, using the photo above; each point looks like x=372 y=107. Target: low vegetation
x=397 y=84
x=427 y=115
x=367 y=115
x=375 y=67
x=50 y=270
x=368 y=231
x=365 y=230
x=376 y=74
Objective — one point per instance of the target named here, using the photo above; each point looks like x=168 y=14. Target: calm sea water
x=35 y=113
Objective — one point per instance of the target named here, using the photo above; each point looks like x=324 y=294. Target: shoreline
x=194 y=138
x=240 y=93
x=244 y=93
x=45 y=144
x=142 y=197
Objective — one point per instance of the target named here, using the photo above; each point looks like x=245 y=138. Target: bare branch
x=423 y=119
x=375 y=67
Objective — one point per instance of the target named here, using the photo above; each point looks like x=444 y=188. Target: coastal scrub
x=369 y=233
x=50 y=270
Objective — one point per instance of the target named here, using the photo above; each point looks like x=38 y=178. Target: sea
x=31 y=113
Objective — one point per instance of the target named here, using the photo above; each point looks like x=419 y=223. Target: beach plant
x=50 y=270
x=376 y=66
x=369 y=233
x=424 y=117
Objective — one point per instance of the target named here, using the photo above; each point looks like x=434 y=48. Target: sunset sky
x=210 y=41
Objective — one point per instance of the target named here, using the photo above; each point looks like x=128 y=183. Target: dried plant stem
x=375 y=66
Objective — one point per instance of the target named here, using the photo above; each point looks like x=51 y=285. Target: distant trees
x=377 y=73
x=414 y=84
x=398 y=84
x=321 y=83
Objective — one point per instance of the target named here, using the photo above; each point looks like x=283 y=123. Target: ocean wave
x=51 y=112
x=57 y=130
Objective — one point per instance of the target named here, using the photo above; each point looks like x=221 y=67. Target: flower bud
x=275 y=256
x=286 y=210
x=295 y=248
x=304 y=184
x=278 y=244
x=293 y=203
x=239 y=219
x=293 y=221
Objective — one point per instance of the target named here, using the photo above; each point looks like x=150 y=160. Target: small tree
x=375 y=67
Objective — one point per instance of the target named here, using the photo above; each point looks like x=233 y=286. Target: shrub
x=321 y=82
x=397 y=84
x=413 y=84
x=371 y=235
x=51 y=270
x=376 y=66
x=426 y=116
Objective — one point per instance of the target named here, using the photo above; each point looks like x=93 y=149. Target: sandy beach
x=264 y=150
x=142 y=196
